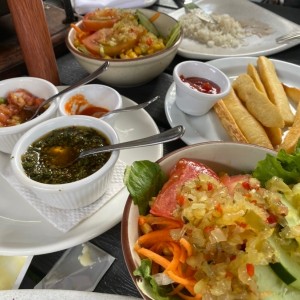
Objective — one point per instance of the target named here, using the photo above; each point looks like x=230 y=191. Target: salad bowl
x=233 y=159
x=134 y=71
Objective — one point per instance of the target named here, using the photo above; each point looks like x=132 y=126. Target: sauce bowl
x=190 y=100
x=41 y=88
x=75 y=194
x=96 y=95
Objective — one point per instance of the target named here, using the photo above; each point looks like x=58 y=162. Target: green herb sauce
x=38 y=166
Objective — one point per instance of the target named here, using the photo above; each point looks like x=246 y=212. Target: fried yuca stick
x=274 y=88
x=249 y=126
x=292 y=92
x=229 y=123
x=252 y=72
x=256 y=102
x=293 y=135
x=274 y=133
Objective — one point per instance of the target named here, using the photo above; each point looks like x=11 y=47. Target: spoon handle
x=163 y=137
x=129 y=108
x=83 y=81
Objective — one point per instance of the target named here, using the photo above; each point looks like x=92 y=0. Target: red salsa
x=201 y=84
x=78 y=105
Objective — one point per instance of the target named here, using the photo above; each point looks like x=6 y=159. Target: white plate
x=58 y=294
x=25 y=232
x=247 y=13
x=208 y=127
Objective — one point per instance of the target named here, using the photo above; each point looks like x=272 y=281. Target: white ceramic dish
x=74 y=194
x=96 y=95
x=247 y=13
x=59 y=294
x=25 y=232
x=189 y=99
x=208 y=127
x=39 y=88
x=136 y=71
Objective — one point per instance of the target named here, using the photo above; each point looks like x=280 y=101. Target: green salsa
x=38 y=163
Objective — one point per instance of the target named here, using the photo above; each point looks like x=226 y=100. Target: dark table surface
x=117 y=279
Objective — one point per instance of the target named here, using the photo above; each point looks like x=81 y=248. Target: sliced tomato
x=231 y=181
x=98 y=43
x=100 y=18
x=167 y=200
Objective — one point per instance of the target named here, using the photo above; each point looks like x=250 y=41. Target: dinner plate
x=265 y=23
x=25 y=232
x=59 y=294
x=208 y=127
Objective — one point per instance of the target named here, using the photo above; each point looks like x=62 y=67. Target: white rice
x=226 y=32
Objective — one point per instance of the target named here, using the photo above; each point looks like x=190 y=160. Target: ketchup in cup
x=201 y=84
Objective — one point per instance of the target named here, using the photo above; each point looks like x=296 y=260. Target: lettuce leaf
x=144 y=179
x=158 y=292
x=283 y=165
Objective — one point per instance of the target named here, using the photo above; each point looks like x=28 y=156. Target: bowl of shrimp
x=19 y=97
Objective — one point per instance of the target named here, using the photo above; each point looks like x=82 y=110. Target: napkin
x=84 y=6
x=66 y=219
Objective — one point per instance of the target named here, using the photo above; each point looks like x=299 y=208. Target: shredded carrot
x=80 y=33
x=152 y=220
x=187 y=246
x=152 y=237
x=154 y=257
x=181 y=280
x=154 y=17
x=176 y=290
x=175 y=248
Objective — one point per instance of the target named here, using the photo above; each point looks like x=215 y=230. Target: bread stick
x=292 y=92
x=252 y=72
x=257 y=102
x=274 y=88
x=293 y=135
x=229 y=123
x=249 y=126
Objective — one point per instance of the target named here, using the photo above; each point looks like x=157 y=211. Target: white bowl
x=233 y=158
x=38 y=87
x=96 y=95
x=74 y=194
x=131 y=72
x=190 y=100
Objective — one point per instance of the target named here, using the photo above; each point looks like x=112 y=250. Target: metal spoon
x=83 y=81
x=68 y=155
x=129 y=108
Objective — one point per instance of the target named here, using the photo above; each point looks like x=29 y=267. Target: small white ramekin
x=191 y=101
x=69 y=195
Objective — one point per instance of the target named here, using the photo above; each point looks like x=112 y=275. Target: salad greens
x=144 y=271
x=144 y=179
x=284 y=165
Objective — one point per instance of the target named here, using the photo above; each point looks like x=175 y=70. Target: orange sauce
x=79 y=105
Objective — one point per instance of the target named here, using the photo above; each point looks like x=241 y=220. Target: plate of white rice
x=241 y=28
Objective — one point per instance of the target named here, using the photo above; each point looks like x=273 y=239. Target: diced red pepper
x=250 y=269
